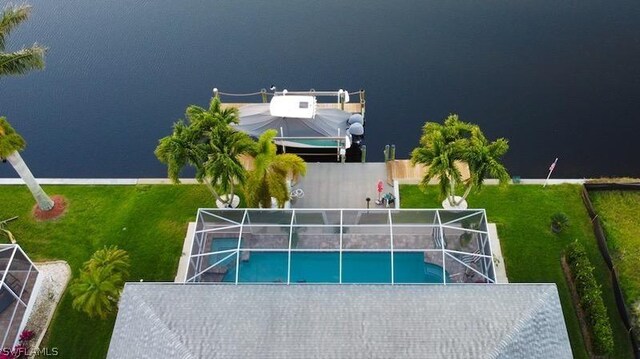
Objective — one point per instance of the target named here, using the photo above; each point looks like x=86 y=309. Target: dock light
x=284 y=92
x=368 y=200
x=272 y=88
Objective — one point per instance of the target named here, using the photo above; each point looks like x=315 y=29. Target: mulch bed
x=59 y=207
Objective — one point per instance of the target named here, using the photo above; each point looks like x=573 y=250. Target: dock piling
x=284 y=148
x=386 y=153
x=363 y=153
x=362 y=104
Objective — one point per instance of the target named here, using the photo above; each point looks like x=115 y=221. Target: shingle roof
x=340 y=321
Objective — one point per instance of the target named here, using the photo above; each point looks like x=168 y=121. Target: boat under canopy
x=327 y=128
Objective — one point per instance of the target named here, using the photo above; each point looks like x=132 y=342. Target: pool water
x=323 y=267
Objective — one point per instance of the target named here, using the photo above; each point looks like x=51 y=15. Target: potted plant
x=559 y=221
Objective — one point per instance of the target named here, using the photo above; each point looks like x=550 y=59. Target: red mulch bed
x=59 y=207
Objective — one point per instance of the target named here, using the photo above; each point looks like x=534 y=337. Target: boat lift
x=351 y=102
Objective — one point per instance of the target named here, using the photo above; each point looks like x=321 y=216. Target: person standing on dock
x=380 y=189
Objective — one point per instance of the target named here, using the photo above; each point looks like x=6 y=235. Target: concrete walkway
x=496 y=250
x=183 y=263
x=332 y=185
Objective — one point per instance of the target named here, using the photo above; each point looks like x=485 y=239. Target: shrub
x=21 y=350
x=26 y=335
x=97 y=290
x=591 y=300
x=559 y=221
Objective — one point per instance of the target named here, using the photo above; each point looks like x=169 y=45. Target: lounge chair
x=469 y=259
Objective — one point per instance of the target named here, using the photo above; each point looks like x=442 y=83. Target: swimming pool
x=384 y=246
x=324 y=267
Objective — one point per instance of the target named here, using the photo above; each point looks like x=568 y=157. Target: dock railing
x=343 y=98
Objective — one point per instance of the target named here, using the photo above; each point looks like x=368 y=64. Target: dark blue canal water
x=558 y=78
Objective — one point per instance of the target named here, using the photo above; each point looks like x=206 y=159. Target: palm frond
x=252 y=189
x=11 y=17
x=96 y=292
x=228 y=116
x=271 y=172
x=10 y=140
x=113 y=258
x=292 y=164
x=22 y=61
x=172 y=152
x=223 y=165
x=193 y=112
x=483 y=158
x=215 y=104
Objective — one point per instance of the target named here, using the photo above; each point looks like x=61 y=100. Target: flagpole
x=551 y=168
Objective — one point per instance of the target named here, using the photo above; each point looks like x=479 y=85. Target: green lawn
x=619 y=212
x=531 y=252
x=149 y=222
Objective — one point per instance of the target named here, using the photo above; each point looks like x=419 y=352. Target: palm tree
x=113 y=257
x=10 y=145
x=483 y=158
x=442 y=146
x=96 y=291
x=177 y=151
x=18 y=63
x=269 y=177
x=223 y=166
x=24 y=60
x=210 y=145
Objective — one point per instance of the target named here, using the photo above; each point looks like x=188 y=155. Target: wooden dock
x=406 y=173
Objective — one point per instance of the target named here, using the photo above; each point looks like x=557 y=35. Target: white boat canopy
x=320 y=131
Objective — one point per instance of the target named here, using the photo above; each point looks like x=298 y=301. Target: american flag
x=553 y=165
